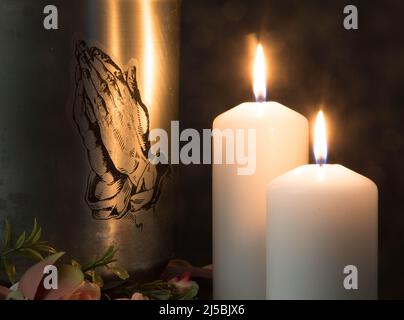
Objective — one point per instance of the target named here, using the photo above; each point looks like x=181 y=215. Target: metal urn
x=83 y=83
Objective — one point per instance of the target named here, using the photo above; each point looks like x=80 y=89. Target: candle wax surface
x=321 y=219
x=320 y=177
x=239 y=202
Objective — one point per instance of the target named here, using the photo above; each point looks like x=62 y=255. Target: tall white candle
x=239 y=201
x=322 y=232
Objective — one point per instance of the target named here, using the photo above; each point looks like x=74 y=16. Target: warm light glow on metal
x=114 y=31
x=320 y=139
x=149 y=52
x=260 y=75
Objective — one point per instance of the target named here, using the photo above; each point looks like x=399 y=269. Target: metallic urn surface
x=77 y=104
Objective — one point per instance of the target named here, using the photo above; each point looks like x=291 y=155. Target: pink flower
x=135 y=296
x=183 y=283
x=138 y=296
x=86 y=291
x=177 y=267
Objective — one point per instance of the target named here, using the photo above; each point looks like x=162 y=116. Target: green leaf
x=20 y=241
x=10 y=270
x=119 y=272
x=33 y=232
x=109 y=254
x=191 y=293
x=31 y=253
x=45 y=248
x=37 y=236
x=7 y=236
x=159 y=294
x=97 y=279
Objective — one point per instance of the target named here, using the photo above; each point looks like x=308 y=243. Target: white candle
x=322 y=222
x=239 y=201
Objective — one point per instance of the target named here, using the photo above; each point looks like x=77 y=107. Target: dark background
x=355 y=76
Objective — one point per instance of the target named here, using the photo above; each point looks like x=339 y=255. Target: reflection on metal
x=149 y=52
x=52 y=177
x=113 y=7
x=113 y=31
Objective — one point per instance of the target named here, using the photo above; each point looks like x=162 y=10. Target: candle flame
x=320 y=139
x=259 y=75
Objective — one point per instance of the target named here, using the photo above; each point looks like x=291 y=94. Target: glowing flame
x=320 y=139
x=260 y=75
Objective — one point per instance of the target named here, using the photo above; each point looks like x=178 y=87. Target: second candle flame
x=260 y=75
x=320 y=140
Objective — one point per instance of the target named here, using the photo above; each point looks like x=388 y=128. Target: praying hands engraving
x=114 y=125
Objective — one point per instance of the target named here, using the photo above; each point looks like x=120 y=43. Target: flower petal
x=177 y=267
x=86 y=291
x=69 y=280
x=138 y=296
x=32 y=278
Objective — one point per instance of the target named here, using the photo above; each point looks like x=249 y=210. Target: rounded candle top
x=248 y=114
x=322 y=177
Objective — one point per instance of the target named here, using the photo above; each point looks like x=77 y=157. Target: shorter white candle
x=322 y=228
